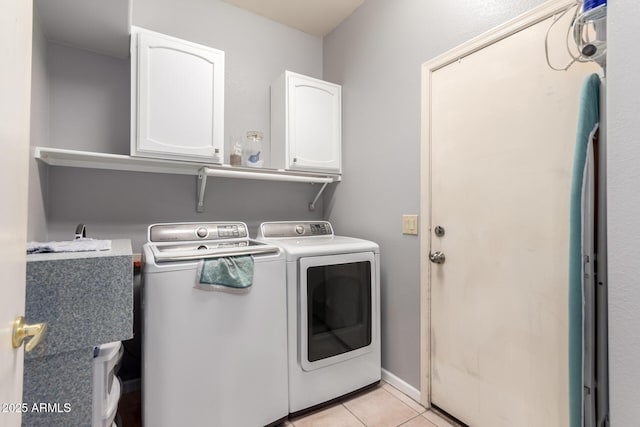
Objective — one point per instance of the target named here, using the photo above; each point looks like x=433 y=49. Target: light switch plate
x=409 y=224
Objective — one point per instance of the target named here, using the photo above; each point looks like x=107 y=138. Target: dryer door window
x=337 y=314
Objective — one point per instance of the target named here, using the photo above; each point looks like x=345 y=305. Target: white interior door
x=502 y=134
x=15 y=90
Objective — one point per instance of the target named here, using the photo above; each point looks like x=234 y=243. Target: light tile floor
x=383 y=406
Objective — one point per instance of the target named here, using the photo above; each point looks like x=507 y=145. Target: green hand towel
x=231 y=272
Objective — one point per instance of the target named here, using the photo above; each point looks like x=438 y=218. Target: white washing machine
x=333 y=298
x=212 y=355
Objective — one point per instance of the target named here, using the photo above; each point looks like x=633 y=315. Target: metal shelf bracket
x=312 y=205
x=201 y=186
x=204 y=172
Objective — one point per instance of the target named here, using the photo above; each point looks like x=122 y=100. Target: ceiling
x=315 y=17
x=103 y=25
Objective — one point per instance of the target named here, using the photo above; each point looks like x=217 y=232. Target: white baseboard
x=401 y=385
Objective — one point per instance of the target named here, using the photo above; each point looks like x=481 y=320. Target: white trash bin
x=106 y=385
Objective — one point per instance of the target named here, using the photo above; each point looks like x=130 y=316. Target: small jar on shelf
x=235 y=158
x=253 y=150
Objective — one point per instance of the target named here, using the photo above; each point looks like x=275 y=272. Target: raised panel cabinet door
x=315 y=124
x=180 y=98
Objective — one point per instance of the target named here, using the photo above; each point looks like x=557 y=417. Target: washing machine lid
x=193 y=241
x=207 y=250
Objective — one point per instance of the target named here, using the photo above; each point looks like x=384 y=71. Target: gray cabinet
x=86 y=299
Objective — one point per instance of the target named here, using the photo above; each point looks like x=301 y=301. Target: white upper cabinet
x=177 y=96
x=306 y=124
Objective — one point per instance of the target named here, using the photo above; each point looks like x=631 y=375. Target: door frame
x=509 y=28
x=16 y=26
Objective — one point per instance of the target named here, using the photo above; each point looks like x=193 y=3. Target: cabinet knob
x=295 y=159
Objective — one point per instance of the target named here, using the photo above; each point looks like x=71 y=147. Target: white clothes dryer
x=333 y=300
x=210 y=356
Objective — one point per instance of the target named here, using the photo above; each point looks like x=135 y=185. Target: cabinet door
x=315 y=128
x=180 y=98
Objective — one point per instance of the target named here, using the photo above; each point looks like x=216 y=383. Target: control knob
x=299 y=229
x=202 y=232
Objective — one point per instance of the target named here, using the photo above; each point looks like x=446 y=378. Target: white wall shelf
x=91 y=160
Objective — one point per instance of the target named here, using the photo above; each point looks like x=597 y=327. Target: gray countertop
x=119 y=247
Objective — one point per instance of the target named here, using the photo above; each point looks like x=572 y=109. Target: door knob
x=437 y=257
x=22 y=331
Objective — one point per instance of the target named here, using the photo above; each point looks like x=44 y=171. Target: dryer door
x=337 y=303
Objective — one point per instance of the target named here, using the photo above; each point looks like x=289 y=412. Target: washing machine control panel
x=185 y=232
x=296 y=229
x=231 y=231
x=320 y=228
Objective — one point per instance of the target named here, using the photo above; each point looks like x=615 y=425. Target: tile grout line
x=400 y=400
x=381 y=387
x=411 y=419
x=399 y=391
x=447 y=419
x=392 y=395
x=349 y=411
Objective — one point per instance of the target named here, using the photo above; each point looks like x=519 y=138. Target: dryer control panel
x=295 y=229
x=189 y=231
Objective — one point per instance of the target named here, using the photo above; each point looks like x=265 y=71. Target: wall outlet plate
x=410 y=224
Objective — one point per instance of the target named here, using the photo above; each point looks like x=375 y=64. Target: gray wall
x=122 y=204
x=37 y=221
x=623 y=104
x=88 y=99
x=376 y=55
